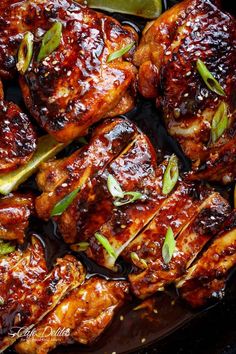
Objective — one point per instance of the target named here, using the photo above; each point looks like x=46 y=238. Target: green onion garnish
x=1 y=301
x=117 y=192
x=51 y=41
x=63 y=204
x=209 y=79
x=83 y=140
x=168 y=246
x=6 y=248
x=25 y=52
x=106 y=244
x=80 y=247
x=119 y=53
x=114 y=187
x=139 y=262
x=219 y=122
x=122 y=201
x=171 y=175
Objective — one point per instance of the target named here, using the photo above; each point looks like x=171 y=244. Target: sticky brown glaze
x=29 y=291
x=58 y=178
x=15 y=210
x=206 y=279
x=94 y=205
x=17 y=136
x=86 y=312
x=191 y=240
x=176 y=212
x=167 y=56
x=74 y=86
x=141 y=174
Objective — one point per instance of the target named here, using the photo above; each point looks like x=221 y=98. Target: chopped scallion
x=168 y=246
x=63 y=204
x=171 y=175
x=209 y=79
x=119 y=53
x=106 y=244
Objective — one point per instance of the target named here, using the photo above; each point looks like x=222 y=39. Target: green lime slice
x=144 y=8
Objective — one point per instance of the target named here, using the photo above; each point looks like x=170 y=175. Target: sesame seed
x=143 y=340
x=121 y=318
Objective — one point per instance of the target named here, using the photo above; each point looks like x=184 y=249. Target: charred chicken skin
x=86 y=312
x=75 y=85
x=167 y=58
x=15 y=210
x=29 y=290
x=133 y=230
x=17 y=136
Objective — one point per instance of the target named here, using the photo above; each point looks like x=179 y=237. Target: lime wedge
x=47 y=148
x=144 y=8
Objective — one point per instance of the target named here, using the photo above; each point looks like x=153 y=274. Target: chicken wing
x=29 y=290
x=15 y=210
x=167 y=59
x=84 y=313
x=17 y=136
x=76 y=85
x=207 y=278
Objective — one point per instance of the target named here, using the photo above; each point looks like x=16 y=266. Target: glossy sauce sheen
x=150 y=327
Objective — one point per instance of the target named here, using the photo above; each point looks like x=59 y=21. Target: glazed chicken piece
x=59 y=178
x=195 y=234
x=17 y=136
x=29 y=290
x=206 y=279
x=15 y=210
x=76 y=85
x=85 y=312
x=167 y=60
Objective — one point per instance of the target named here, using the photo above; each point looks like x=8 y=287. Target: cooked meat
x=74 y=86
x=15 y=210
x=85 y=313
x=176 y=212
x=167 y=57
x=189 y=242
x=206 y=279
x=28 y=290
x=57 y=179
x=17 y=136
x=141 y=174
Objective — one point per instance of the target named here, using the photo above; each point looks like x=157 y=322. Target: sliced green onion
x=106 y=244
x=121 y=201
x=25 y=52
x=47 y=148
x=220 y=122
x=51 y=40
x=171 y=175
x=80 y=247
x=114 y=187
x=168 y=246
x=6 y=248
x=209 y=79
x=63 y=204
x=1 y=301
x=139 y=262
x=119 y=53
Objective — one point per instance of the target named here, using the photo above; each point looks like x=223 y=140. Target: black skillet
x=175 y=328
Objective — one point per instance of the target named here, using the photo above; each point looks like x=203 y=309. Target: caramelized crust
x=57 y=179
x=74 y=86
x=86 y=312
x=15 y=210
x=29 y=290
x=167 y=56
x=17 y=136
x=189 y=242
x=207 y=278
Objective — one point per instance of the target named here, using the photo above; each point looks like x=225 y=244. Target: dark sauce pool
x=168 y=325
